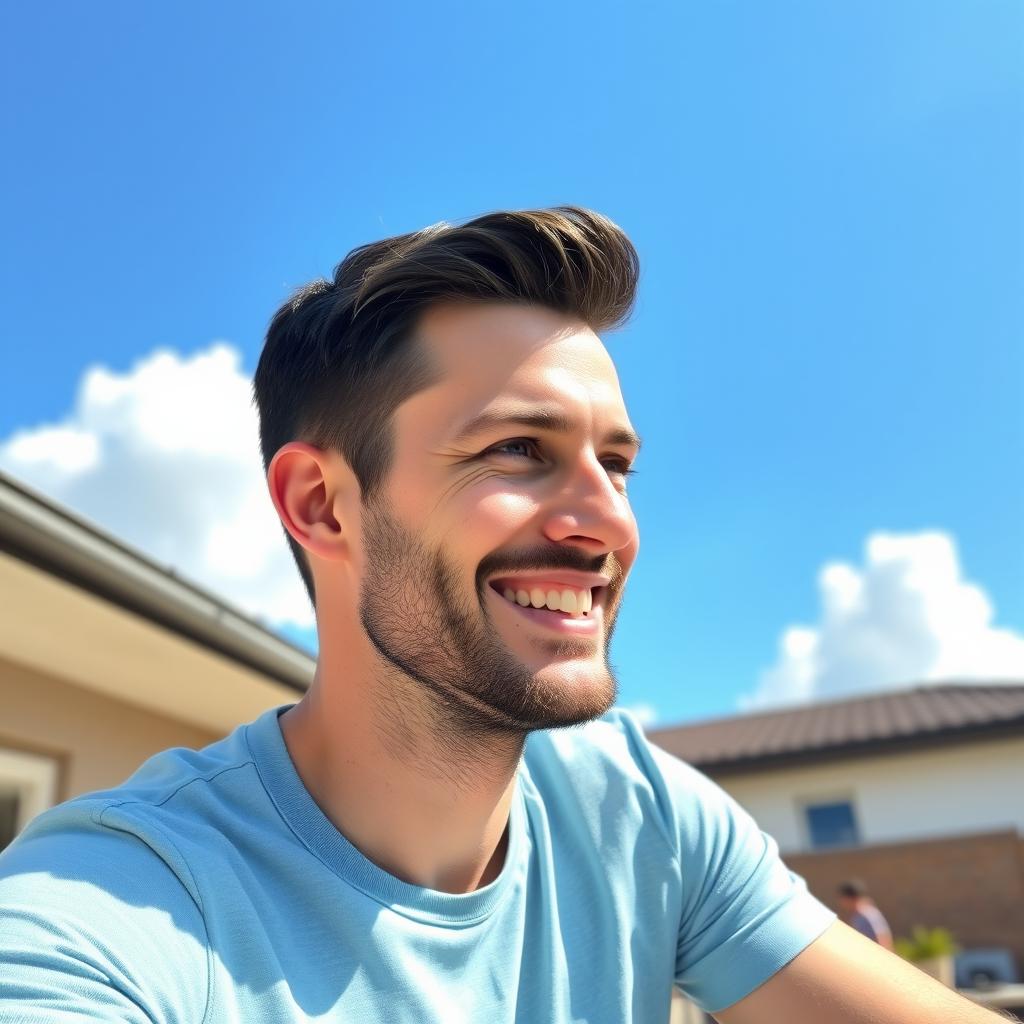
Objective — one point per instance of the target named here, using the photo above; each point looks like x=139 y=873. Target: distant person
x=860 y=913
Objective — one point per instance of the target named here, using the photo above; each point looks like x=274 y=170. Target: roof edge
x=42 y=533
x=913 y=743
x=901 y=689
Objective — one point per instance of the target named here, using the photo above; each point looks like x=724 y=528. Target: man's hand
x=844 y=978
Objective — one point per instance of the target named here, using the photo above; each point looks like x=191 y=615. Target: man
x=421 y=838
x=861 y=914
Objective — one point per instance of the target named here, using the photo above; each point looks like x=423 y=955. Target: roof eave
x=53 y=539
x=1004 y=729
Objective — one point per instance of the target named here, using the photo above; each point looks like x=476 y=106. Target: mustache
x=542 y=559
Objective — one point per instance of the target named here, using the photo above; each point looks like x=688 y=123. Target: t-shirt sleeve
x=94 y=926
x=745 y=915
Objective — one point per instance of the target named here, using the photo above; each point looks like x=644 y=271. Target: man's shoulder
x=100 y=911
x=610 y=761
x=134 y=826
x=104 y=886
x=68 y=857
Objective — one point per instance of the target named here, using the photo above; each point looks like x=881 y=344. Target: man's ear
x=314 y=492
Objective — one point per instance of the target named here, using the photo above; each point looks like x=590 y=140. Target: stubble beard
x=446 y=645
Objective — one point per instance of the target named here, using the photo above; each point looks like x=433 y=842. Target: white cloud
x=166 y=457
x=906 y=616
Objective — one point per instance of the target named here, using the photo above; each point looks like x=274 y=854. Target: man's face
x=482 y=526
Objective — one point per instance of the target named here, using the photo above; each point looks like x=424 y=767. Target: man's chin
x=574 y=673
x=573 y=692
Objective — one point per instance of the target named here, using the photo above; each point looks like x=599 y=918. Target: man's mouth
x=567 y=600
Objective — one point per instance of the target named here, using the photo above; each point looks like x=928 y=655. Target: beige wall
x=958 y=789
x=101 y=741
x=67 y=633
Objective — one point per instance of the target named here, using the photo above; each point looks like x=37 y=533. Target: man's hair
x=336 y=363
x=853 y=888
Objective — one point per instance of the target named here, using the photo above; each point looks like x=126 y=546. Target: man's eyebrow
x=540 y=419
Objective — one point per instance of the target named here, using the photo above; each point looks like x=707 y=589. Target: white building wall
x=965 y=788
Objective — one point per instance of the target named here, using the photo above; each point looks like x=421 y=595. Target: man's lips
x=556 y=579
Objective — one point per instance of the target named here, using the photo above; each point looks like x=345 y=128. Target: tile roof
x=893 y=720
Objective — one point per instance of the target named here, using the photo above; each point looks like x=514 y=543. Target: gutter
x=41 y=533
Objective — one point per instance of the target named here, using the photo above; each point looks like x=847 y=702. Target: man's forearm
x=844 y=978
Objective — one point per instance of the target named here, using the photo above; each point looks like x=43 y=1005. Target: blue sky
x=828 y=201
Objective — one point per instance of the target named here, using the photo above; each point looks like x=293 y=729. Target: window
x=831 y=824
x=8 y=817
x=28 y=785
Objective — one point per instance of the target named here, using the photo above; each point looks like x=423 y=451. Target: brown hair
x=335 y=365
x=853 y=889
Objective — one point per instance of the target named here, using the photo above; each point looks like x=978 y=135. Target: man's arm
x=844 y=978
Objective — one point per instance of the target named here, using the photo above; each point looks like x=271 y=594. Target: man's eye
x=528 y=448
x=622 y=468
x=519 y=442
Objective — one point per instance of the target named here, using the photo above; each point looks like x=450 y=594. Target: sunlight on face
x=509 y=475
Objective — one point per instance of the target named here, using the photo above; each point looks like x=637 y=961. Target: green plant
x=926 y=943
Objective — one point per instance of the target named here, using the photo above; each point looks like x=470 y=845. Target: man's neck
x=433 y=813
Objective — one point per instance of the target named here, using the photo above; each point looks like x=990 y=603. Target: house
x=919 y=792
x=107 y=657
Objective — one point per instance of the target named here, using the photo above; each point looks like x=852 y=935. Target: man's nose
x=591 y=508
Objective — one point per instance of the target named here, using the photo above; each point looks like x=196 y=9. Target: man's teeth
x=574 y=602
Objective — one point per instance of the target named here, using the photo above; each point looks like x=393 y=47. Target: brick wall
x=973 y=885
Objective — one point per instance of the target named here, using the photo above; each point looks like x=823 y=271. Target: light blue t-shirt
x=210 y=888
